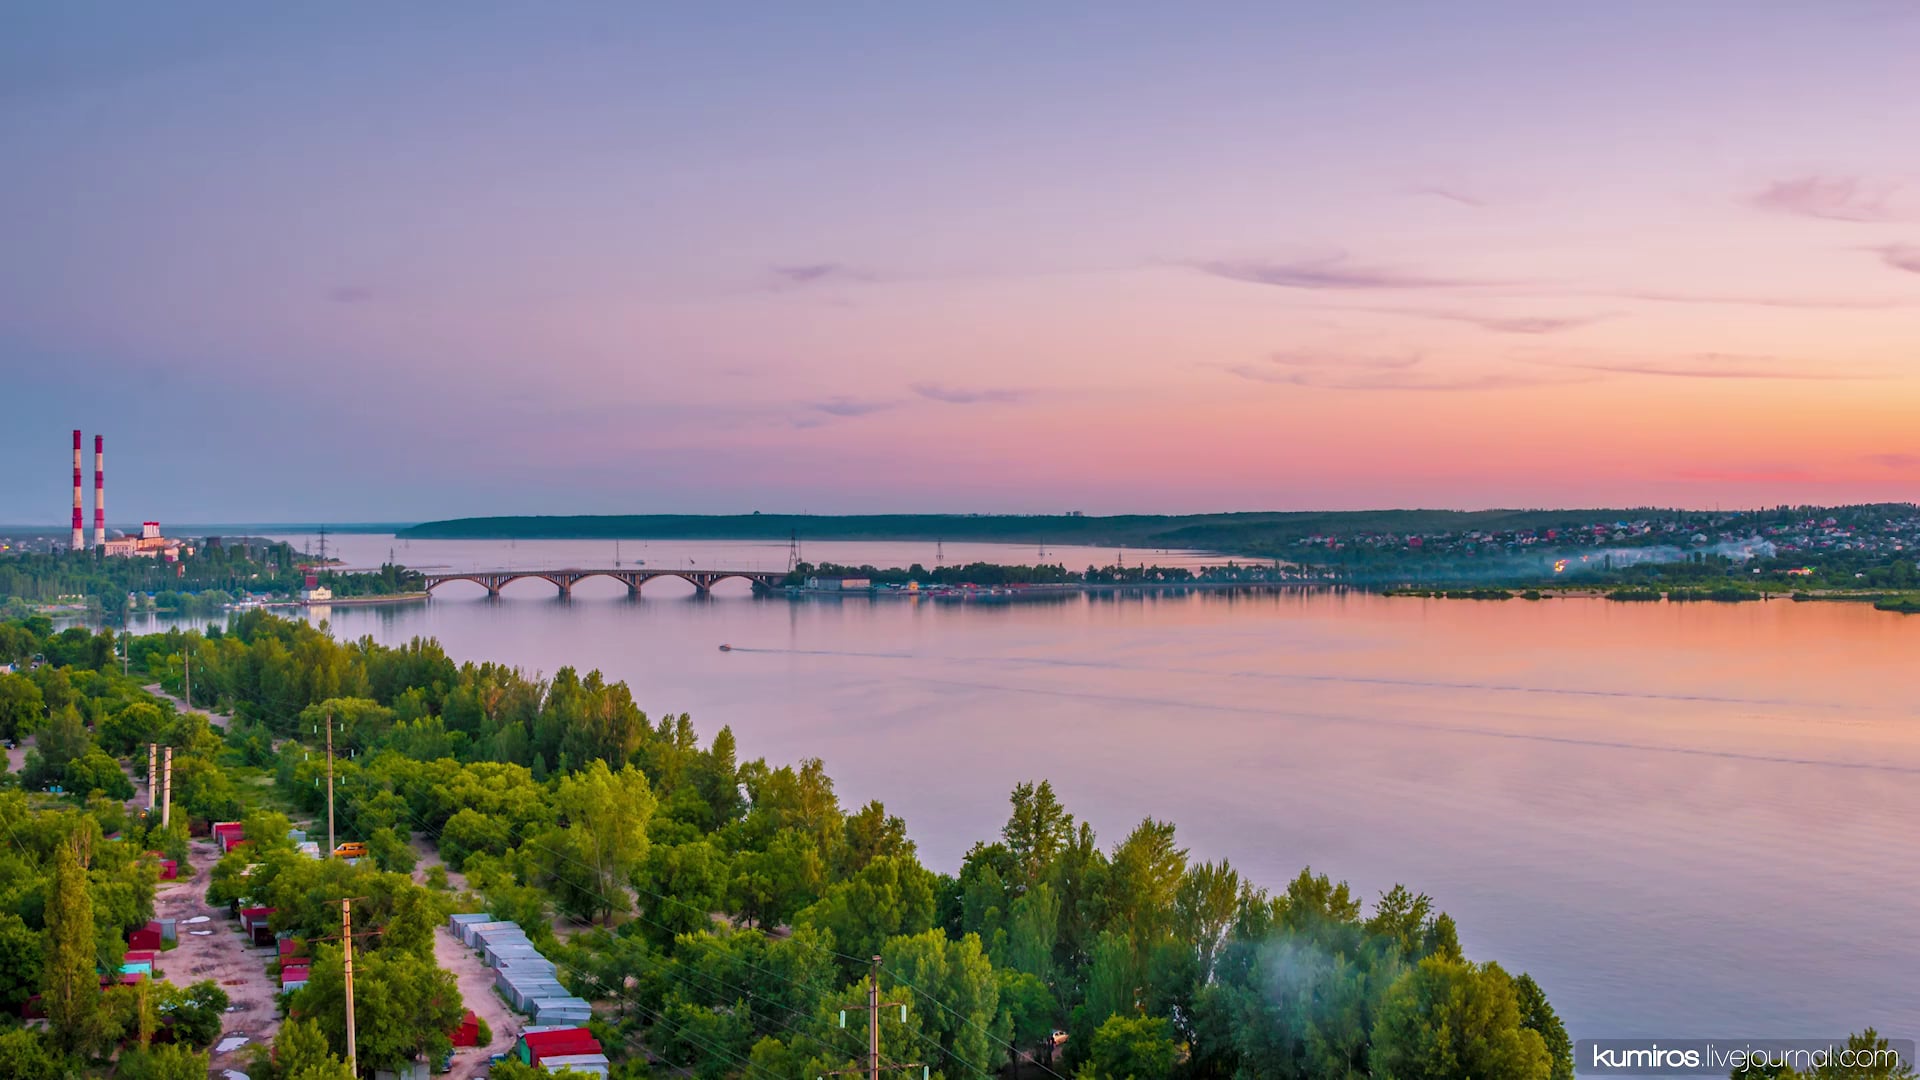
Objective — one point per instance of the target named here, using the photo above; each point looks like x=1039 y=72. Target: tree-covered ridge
x=1225 y=532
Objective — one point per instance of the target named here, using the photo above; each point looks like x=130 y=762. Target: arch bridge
x=564 y=580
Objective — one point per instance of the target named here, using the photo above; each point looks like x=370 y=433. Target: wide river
x=1683 y=819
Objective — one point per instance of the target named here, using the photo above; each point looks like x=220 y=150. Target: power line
x=873 y=1007
x=706 y=939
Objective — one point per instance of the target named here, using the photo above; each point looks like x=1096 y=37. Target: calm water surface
x=1682 y=819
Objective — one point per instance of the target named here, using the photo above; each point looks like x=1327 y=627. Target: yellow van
x=352 y=849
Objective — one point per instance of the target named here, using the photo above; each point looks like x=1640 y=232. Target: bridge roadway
x=564 y=580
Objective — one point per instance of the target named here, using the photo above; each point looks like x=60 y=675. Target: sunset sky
x=396 y=262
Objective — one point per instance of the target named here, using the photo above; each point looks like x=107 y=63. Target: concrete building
x=150 y=544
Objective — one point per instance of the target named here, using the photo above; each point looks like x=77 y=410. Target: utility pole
x=166 y=796
x=186 y=654
x=874 y=1005
x=330 y=788
x=873 y=1022
x=153 y=778
x=346 y=945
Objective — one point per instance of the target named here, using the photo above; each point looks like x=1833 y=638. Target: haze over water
x=1682 y=819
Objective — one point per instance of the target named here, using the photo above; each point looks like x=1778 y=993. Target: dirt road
x=215 y=950
x=216 y=721
x=476 y=988
x=474 y=976
x=17 y=755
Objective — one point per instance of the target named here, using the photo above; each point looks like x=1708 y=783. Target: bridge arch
x=564 y=580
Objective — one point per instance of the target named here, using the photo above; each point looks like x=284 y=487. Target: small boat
x=726 y=648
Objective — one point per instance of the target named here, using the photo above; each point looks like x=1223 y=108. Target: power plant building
x=149 y=544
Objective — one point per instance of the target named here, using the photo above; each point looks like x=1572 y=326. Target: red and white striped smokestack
x=79 y=524
x=99 y=491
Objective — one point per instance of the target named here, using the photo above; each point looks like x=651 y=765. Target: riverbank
x=1902 y=603
x=368 y=601
x=1047 y=589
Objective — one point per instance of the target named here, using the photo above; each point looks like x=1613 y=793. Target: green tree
x=965 y=993
x=1033 y=930
x=1205 y=905
x=62 y=739
x=56 y=689
x=25 y=1055
x=298 y=1052
x=403 y=1005
x=1147 y=870
x=130 y=728
x=605 y=815
x=1447 y=1018
x=1028 y=1007
x=72 y=990
x=1133 y=1048
x=21 y=707
x=890 y=897
x=193 y=1012
x=1537 y=1015
x=390 y=852
x=21 y=961
x=469 y=832
x=202 y=790
x=1037 y=832
x=770 y=886
x=684 y=885
x=165 y=1062
x=95 y=771
x=871 y=833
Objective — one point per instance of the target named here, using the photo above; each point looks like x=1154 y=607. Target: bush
x=470 y=832
x=390 y=852
x=95 y=771
x=194 y=1013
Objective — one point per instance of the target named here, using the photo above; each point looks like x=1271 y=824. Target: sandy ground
x=476 y=987
x=17 y=757
x=474 y=976
x=223 y=955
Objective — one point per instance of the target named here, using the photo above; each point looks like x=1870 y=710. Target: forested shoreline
x=720 y=912
x=199 y=583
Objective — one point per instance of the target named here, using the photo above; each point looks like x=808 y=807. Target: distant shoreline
x=1246 y=532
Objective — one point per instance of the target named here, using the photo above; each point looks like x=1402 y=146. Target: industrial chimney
x=79 y=528
x=99 y=491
